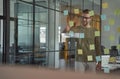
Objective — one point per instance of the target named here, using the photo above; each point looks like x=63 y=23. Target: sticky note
x=71 y=23
x=91 y=13
x=76 y=35
x=105 y=5
x=118 y=29
x=98 y=58
x=106 y=70
x=111 y=21
x=107 y=28
x=65 y=12
x=71 y=33
x=82 y=35
x=118 y=47
x=112 y=59
x=90 y=58
x=76 y=11
x=117 y=12
x=103 y=17
x=106 y=51
x=92 y=47
x=111 y=38
x=97 y=33
x=80 y=51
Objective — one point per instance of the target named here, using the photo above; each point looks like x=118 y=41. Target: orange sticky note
x=76 y=11
x=92 y=47
x=90 y=58
x=80 y=51
x=105 y=5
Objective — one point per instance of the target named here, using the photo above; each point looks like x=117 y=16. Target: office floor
x=35 y=72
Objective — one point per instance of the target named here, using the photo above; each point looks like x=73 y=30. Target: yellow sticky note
x=76 y=11
x=97 y=33
x=91 y=13
x=112 y=59
x=118 y=47
x=71 y=23
x=118 y=29
x=106 y=51
x=111 y=21
x=111 y=38
x=92 y=47
x=90 y=58
x=80 y=51
x=105 y=5
x=117 y=12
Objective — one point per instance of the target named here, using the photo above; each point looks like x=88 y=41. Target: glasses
x=85 y=17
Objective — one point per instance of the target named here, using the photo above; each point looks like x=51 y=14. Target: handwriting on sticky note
x=97 y=33
x=105 y=5
x=90 y=58
x=92 y=47
x=106 y=51
x=80 y=51
x=65 y=12
x=76 y=11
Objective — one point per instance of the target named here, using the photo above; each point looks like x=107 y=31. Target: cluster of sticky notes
x=111 y=38
x=76 y=11
x=97 y=33
x=106 y=70
x=98 y=58
x=65 y=12
x=107 y=28
x=103 y=17
x=106 y=51
x=82 y=35
x=111 y=21
x=112 y=59
x=71 y=23
x=90 y=58
x=91 y=13
x=80 y=51
x=92 y=47
x=105 y=5
x=118 y=29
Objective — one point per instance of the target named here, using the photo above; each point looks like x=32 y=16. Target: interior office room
x=36 y=34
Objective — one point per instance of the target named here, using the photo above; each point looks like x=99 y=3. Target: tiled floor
x=35 y=72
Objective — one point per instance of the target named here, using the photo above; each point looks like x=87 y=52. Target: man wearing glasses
x=88 y=46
